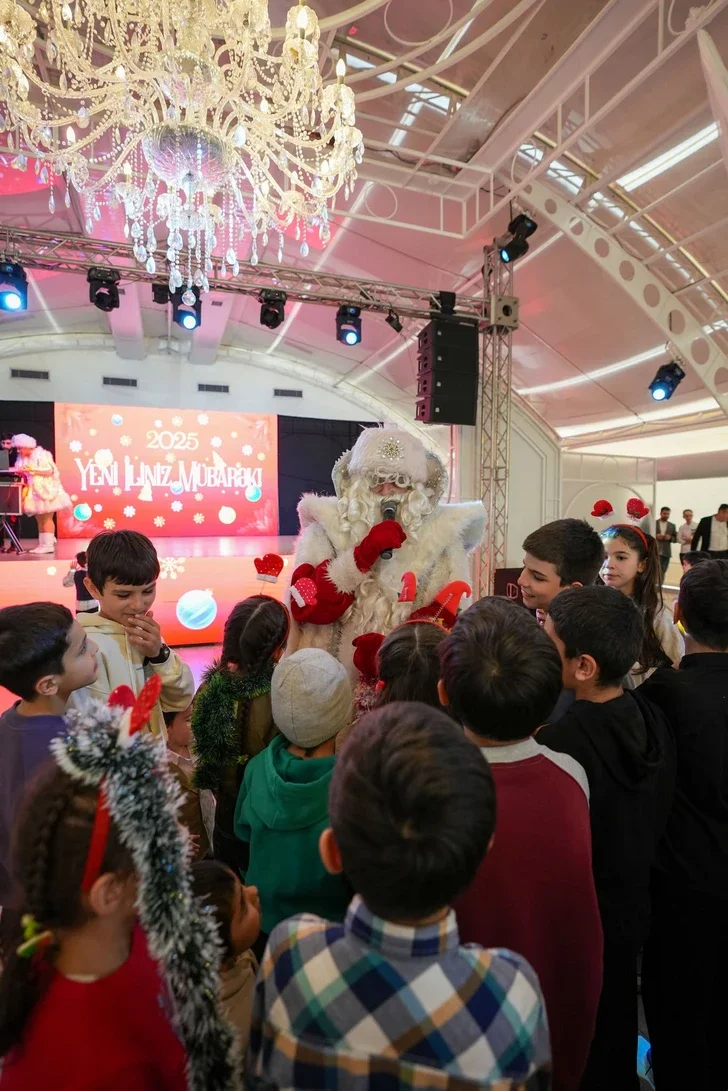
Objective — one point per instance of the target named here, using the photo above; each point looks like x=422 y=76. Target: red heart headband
x=138 y=711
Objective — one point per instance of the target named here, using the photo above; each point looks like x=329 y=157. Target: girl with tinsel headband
x=113 y=982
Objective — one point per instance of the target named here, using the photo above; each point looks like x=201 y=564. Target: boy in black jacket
x=685 y=997
x=624 y=745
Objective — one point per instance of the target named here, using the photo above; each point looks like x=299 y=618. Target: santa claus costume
x=43 y=493
x=342 y=586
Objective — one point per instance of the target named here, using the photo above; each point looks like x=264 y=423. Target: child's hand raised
x=144 y=633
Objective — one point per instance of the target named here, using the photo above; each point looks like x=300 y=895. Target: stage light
x=187 y=308
x=102 y=288
x=514 y=244
x=348 y=324
x=13 y=287
x=160 y=293
x=272 y=308
x=667 y=380
x=394 y=321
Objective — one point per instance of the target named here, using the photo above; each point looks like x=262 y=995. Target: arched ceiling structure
x=470 y=108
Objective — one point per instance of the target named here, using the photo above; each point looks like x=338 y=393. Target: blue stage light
x=10 y=300
x=13 y=287
x=189 y=321
x=348 y=324
x=667 y=380
x=351 y=337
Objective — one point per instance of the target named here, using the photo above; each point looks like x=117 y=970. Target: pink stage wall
x=167 y=473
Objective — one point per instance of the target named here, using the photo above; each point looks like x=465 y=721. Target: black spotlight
x=160 y=293
x=186 y=308
x=348 y=324
x=272 y=308
x=102 y=288
x=519 y=229
x=667 y=380
x=13 y=287
x=394 y=321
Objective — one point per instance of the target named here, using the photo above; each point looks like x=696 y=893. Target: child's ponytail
x=51 y=847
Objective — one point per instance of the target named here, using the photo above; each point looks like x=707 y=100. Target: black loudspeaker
x=447 y=371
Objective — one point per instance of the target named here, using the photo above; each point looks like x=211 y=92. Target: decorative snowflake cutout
x=75 y=445
x=130 y=511
x=157 y=424
x=116 y=491
x=176 y=505
x=159 y=520
x=202 y=418
x=98 y=507
x=216 y=441
x=198 y=497
x=247 y=449
x=170 y=457
x=198 y=517
x=109 y=524
x=171 y=567
x=261 y=457
x=177 y=422
x=125 y=441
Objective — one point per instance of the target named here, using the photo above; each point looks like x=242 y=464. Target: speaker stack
x=447 y=371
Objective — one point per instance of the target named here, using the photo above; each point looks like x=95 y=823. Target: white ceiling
x=441 y=149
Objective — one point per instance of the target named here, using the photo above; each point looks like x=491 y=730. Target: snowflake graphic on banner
x=176 y=505
x=177 y=422
x=216 y=441
x=130 y=511
x=203 y=418
x=171 y=567
x=125 y=441
x=75 y=445
x=159 y=520
x=198 y=517
x=98 y=508
x=116 y=491
x=170 y=458
x=247 y=449
x=198 y=497
x=109 y=524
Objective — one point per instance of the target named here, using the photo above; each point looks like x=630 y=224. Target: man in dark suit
x=666 y=534
x=712 y=532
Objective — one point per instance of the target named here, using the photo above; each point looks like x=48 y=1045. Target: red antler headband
x=139 y=709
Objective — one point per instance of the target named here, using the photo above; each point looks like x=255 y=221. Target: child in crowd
x=565 y=553
x=685 y=999
x=534 y=892
x=80 y=999
x=632 y=566
x=76 y=577
x=44 y=656
x=693 y=557
x=390 y=997
x=282 y=808
x=123 y=569
x=624 y=745
x=232 y=719
x=236 y=908
x=409 y=664
x=198 y=808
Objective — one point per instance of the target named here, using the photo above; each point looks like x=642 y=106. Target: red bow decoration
x=637 y=509
x=269 y=567
x=602 y=510
x=365 y=656
x=303 y=592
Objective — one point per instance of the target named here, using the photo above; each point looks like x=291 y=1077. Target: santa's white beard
x=376 y=607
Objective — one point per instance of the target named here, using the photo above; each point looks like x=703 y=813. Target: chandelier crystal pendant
x=181 y=111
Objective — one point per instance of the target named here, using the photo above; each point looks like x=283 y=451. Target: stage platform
x=201 y=580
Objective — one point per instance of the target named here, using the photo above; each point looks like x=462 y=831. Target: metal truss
x=494 y=413
x=68 y=253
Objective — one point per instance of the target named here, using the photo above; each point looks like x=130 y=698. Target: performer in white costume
x=43 y=493
x=388 y=492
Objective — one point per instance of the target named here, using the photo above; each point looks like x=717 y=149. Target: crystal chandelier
x=188 y=114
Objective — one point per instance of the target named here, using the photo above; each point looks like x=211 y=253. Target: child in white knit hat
x=283 y=805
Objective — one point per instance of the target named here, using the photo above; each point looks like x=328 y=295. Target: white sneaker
x=46 y=544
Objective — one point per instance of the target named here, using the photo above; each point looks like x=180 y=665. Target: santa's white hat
x=390 y=453
x=22 y=441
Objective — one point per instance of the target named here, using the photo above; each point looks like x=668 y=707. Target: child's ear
x=442 y=694
x=91 y=587
x=47 y=686
x=329 y=852
x=586 y=669
x=110 y=893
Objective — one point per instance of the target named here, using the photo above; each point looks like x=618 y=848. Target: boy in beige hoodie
x=123 y=569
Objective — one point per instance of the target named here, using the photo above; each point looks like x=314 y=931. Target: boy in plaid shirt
x=390 y=998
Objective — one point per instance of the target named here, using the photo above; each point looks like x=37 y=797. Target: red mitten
x=384 y=536
x=365 y=656
x=303 y=593
x=329 y=603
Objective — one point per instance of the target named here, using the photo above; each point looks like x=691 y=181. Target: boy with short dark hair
x=391 y=998
x=534 y=893
x=44 y=656
x=685 y=999
x=76 y=577
x=123 y=569
x=623 y=743
x=565 y=553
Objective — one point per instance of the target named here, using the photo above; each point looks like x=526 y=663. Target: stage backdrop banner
x=167 y=473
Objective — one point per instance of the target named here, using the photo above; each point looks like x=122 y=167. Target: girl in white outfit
x=43 y=493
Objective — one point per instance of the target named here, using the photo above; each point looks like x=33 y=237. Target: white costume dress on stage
x=439 y=538
x=44 y=492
